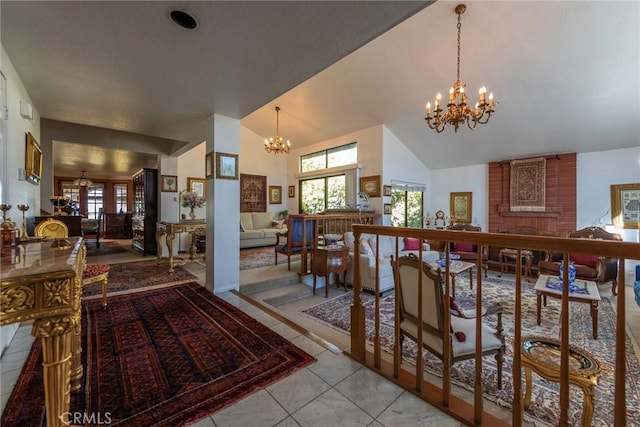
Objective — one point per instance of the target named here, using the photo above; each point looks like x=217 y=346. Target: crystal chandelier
x=277 y=145
x=458 y=111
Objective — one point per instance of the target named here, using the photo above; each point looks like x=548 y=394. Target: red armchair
x=588 y=267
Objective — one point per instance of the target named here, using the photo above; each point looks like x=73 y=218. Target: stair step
x=286 y=294
x=274 y=283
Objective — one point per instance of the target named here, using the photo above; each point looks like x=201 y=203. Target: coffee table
x=583 y=291
x=542 y=355
x=455 y=267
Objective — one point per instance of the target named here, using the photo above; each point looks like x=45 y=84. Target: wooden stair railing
x=474 y=414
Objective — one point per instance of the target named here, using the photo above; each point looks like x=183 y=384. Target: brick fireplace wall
x=559 y=215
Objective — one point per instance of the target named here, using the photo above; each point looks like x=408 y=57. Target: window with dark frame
x=120 y=197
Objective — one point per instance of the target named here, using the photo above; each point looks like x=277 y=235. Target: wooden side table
x=329 y=259
x=542 y=355
x=506 y=254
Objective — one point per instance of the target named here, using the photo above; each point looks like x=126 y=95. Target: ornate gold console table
x=42 y=281
x=170 y=229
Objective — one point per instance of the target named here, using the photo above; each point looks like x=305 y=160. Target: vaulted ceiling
x=566 y=74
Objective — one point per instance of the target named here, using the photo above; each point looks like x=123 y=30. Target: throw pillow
x=463 y=247
x=411 y=244
x=241 y=227
x=585 y=259
x=372 y=244
x=365 y=249
x=277 y=223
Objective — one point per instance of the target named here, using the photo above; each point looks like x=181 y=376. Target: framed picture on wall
x=275 y=194
x=370 y=185
x=226 y=166
x=386 y=191
x=169 y=183
x=196 y=185
x=387 y=208
x=208 y=165
x=33 y=160
x=625 y=205
x=460 y=207
x=292 y=191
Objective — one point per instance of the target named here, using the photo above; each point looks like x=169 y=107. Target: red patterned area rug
x=133 y=276
x=545 y=400
x=106 y=248
x=164 y=357
x=262 y=257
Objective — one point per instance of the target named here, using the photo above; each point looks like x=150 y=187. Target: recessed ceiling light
x=184 y=19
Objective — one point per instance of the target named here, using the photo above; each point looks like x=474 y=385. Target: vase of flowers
x=191 y=200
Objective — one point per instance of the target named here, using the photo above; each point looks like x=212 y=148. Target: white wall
x=400 y=164
x=468 y=178
x=597 y=171
x=13 y=191
x=223 y=213
x=254 y=160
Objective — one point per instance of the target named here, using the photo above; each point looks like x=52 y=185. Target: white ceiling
x=566 y=74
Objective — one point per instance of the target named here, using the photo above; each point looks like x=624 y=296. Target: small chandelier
x=83 y=181
x=458 y=111
x=277 y=145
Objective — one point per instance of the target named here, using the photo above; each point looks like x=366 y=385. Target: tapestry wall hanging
x=527 y=186
x=253 y=193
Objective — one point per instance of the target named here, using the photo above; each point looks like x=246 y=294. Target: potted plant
x=283 y=214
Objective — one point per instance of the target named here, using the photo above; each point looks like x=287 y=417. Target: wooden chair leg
x=104 y=292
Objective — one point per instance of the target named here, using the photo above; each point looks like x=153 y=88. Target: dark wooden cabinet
x=117 y=226
x=73 y=223
x=145 y=211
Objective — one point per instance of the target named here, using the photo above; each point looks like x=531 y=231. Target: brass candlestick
x=23 y=209
x=6 y=222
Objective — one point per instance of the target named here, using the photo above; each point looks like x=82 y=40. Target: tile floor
x=334 y=391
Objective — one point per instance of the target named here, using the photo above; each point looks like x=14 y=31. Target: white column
x=223 y=209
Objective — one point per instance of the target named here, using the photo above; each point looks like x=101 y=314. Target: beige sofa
x=259 y=229
x=386 y=247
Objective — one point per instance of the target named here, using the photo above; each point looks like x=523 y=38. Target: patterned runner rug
x=106 y=248
x=545 y=400
x=262 y=257
x=164 y=357
x=133 y=276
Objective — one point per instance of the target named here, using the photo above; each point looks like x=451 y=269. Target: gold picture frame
x=196 y=185
x=625 y=205
x=226 y=166
x=33 y=160
x=460 y=207
x=275 y=194
x=169 y=183
x=370 y=185
x=208 y=165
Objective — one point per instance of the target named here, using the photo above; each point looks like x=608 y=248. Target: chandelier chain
x=458 y=111
x=459 y=28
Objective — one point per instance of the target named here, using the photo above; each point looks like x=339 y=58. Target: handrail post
x=357 y=310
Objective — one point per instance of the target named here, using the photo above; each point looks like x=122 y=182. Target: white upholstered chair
x=434 y=338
